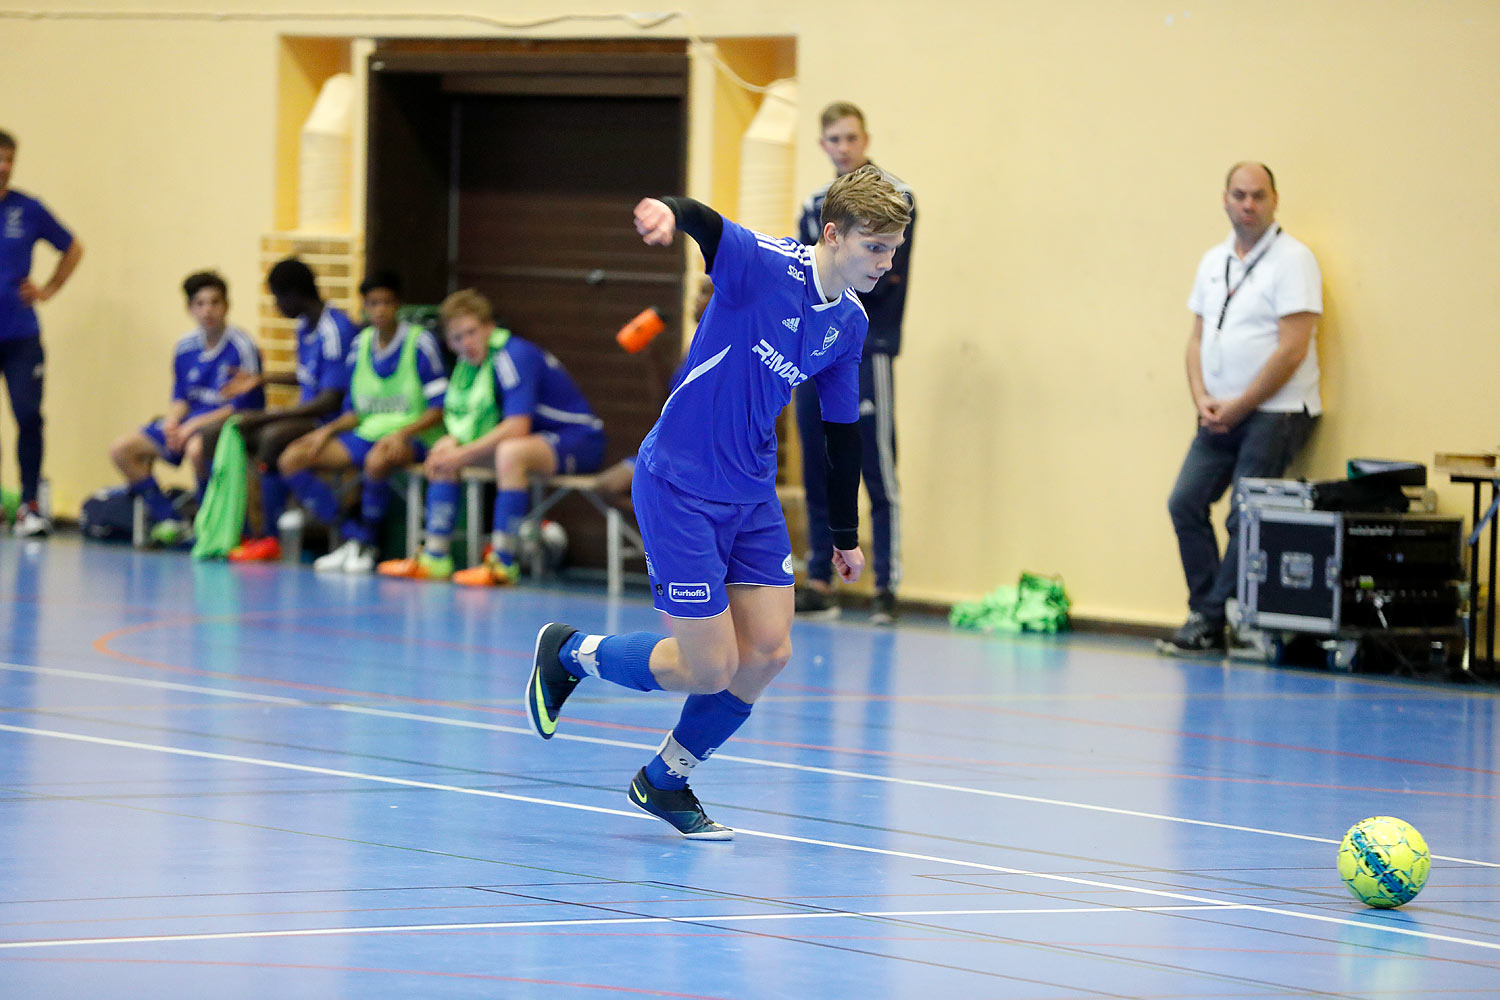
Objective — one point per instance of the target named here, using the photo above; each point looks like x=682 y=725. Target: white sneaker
x=338 y=559
x=291 y=520
x=30 y=524
x=362 y=561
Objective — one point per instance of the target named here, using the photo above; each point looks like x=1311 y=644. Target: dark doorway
x=515 y=171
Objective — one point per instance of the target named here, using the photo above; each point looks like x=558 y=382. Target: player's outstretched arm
x=844 y=453
x=655 y=221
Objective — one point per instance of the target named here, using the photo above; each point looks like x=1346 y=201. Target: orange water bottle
x=639 y=332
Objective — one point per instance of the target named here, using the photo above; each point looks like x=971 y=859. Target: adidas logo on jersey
x=791 y=324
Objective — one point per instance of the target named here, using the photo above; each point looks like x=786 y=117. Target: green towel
x=1036 y=604
x=221 y=517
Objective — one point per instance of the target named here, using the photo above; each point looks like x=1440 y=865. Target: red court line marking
x=394 y=972
x=102 y=646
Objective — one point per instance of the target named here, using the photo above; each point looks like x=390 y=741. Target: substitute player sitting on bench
x=393 y=412
x=202 y=363
x=512 y=405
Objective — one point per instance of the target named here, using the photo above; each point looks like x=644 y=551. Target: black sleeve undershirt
x=844 y=453
x=702 y=223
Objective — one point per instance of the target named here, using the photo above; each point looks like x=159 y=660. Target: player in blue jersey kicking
x=203 y=363
x=704 y=488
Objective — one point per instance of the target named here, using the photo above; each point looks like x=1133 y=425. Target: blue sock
x=272 y=500
x=157 y=504
x=374 y=504
x=316 y=495
x=622 y=659
x=510 y=509
x=355 y=529
x=707 y=722
x=442 y=509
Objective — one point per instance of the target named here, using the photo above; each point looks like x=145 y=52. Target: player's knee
x=510 y=458
x=707 y=675
x=769 y=658
x=1183 y=509
x=121 y=452
x=291 y=461
x=379 y=464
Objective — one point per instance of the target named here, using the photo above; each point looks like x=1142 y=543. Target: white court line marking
x=741 y=831
x=652 y=747
x=726 y=918
x=762 y=762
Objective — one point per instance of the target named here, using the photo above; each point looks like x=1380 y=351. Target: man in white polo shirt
x=1252 y=369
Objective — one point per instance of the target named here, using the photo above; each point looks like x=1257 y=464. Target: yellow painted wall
x=1068 y=161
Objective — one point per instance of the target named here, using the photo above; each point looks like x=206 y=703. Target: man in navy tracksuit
x=844 y=140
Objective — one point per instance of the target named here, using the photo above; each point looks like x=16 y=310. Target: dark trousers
x=265 y=442
x=877 y=426
x=23 y=363
x=1260 y=447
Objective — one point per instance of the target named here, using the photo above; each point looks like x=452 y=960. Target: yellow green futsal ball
x=1384 y=861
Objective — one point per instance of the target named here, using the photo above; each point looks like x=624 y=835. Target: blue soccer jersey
x=199 y=372
x=323 y=353
x=23 y=221
x=530 y=382
x=766 y=330
x=430 y=367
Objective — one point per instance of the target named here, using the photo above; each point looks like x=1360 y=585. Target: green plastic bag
x=10 y=502
x=1035 y=604
x=221 y=517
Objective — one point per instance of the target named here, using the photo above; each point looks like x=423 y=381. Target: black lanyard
x=1229 y=292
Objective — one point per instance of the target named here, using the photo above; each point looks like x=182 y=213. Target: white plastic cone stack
x=323 y=181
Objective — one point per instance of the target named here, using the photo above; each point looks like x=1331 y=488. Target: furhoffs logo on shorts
x=688 y=593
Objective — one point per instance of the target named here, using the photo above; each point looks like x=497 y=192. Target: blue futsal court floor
x=258 y=782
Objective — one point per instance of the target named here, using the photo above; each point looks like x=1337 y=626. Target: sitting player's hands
x=848 y=563
x=655 y=222
x=240 y=382
x=444 y=459
x=176 y=436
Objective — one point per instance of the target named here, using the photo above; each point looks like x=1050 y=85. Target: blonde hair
x=466 y=302
x=841 y=109
x=865 y=198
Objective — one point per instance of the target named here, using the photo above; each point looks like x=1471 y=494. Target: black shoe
x=678 y=807
x=883 y=608
x=815 y=603
x=550 y=683
x=1200 y=635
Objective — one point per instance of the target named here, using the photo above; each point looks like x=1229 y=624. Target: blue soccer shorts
x=359 y=449
x=697 y=548
x=153 y=432
x=579 y=450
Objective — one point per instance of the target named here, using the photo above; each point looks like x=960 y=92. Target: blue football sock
x=622 y=659
x=442 y=509
x=707 y=722
x=273 y=495
x=374 y=505
x=316 y=495
x=157 y=504
x=510 y=509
